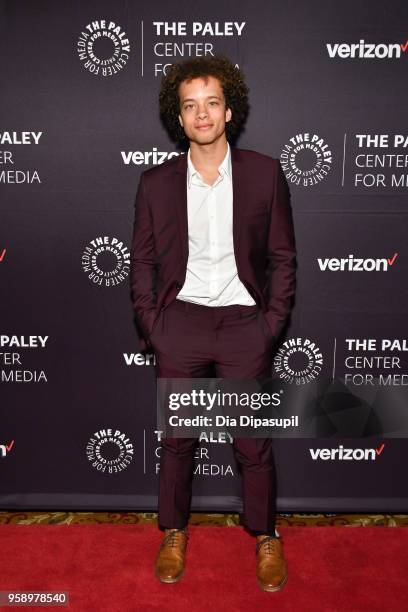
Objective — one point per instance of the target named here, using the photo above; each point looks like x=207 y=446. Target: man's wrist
x=145 y=346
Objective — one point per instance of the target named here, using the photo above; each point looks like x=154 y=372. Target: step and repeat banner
x=79 y=123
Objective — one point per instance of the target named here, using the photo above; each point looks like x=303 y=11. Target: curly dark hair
x=232 y=82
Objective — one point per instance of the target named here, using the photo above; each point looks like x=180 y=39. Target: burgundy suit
x=263 y=234
x=187 y=338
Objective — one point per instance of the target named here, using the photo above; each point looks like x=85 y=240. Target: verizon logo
x=346 y=454
x=6 y=448
x=363 y=50
x=140 y=158
x=356 y=264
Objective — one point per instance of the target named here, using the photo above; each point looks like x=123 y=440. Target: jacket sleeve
x=281 y=270
x=143 y=264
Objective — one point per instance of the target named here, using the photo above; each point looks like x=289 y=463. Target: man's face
x=202 y=109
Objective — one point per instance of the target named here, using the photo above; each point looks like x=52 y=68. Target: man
x=212 y=279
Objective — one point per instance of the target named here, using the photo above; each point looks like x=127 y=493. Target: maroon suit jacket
x=263 y=235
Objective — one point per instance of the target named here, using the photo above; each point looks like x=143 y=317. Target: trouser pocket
x=156 y=322
x=263 y=323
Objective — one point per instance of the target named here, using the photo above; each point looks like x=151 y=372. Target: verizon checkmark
x=10 y=446
x=3 y=254
x=404 y=46
x=394 y=257
x=380 y=449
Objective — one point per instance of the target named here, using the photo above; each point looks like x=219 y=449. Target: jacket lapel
x=239 y=189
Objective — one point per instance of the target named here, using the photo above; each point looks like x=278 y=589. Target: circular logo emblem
x=103 y=48
x=298 y=360
x=106 y=261
x=109 y=451
x=306 y=159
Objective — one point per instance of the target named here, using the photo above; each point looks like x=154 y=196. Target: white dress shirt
x=212 y=277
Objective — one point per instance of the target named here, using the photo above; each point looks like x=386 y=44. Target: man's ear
x=228 y=115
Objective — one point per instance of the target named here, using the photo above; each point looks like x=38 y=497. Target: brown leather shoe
x=170 y=561
x=271 y=569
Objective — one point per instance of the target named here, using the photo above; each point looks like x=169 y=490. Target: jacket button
x=178 y=285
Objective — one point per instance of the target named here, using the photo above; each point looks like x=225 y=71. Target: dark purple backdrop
x=89 y=124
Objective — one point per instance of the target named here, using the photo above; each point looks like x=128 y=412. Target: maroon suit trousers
x=197 y=341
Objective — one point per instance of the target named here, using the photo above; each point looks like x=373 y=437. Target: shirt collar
x=224 y=167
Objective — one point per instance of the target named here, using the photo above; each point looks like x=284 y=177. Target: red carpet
x=110 y=568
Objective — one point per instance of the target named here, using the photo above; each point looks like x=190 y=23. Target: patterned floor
x=199 y=518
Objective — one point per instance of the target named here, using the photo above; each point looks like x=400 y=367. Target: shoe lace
x=171 y=538
x=268 y=543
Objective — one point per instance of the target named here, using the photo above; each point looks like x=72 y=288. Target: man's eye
x=213 y=102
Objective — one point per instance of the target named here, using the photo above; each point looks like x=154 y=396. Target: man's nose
x=202 y=112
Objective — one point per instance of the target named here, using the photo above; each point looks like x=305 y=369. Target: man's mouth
x=204 y=127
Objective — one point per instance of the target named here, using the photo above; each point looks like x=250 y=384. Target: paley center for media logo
x=356 y=264
x=298 y=361
x=103 y=48
x=346 y=454
x=106 y=261
x=306 y=159
x=109 y=451
x=365 y=50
